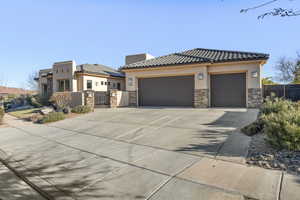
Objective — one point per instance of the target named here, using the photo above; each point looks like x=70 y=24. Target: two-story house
x=67 y=76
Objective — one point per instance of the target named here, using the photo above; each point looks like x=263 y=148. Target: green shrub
x=253 y=128
x=81 y=109
x=34 y=101
x=283 y=129
x=1 y=114
x=279 y=119
x=276 y=105
x=53 y=117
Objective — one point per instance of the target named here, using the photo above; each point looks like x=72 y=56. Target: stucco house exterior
x=198 y=77
x=67 y=76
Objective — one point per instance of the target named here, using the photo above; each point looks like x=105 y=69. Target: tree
x=32 y=84
x=282 y=12
x=268 y=81
x=288 y=70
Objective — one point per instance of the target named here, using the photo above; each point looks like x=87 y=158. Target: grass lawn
x=23 y=114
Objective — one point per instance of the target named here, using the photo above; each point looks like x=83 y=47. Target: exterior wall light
x=200 y=76
x=254 y=74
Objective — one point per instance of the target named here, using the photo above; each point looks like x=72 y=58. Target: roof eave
x=261 y=61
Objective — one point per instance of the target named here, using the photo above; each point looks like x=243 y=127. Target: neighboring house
x=67 y=76
x=197 y=77
x=6 y=91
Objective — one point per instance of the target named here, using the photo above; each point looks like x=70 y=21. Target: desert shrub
x=1 y=114
x=81 y=109
x=283 y=129
x=253 y=128
x=276 y=105
x=33 y=101
x=53 y=117
x=279 y=119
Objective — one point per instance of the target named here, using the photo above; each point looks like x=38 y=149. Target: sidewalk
x=13 y=188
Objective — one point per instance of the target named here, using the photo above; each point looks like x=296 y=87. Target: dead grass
x=24 y=114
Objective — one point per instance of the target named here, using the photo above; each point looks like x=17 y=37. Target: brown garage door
x=166 y=91
x=228 y=90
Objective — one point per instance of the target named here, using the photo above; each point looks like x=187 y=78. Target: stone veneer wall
x=89 y=98
x=255 y=98
x=113 y=98
x=201 y=98
x=132 y=98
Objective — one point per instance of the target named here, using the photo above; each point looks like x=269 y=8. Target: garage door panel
x=166 y=91
x=228 y=90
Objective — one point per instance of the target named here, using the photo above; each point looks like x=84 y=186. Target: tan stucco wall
x=195 y=70
x=64 y=70
x=249 y=68
x=82 y=85
x=122 y=98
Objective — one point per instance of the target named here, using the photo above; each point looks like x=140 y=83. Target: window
x=102 y=82
x=67 y=85
x=108 y=83
x=89 y=84
x=114 y=85
x=45 y=89
x=105 y=83
x=96 y=83
x=63 y=85
x=119 y=86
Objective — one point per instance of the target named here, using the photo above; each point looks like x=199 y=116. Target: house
x=67 y=76
x=198 y=77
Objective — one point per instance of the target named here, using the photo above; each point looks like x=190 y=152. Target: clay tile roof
x=198 y=55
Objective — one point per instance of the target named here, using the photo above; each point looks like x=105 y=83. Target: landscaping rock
x=46 y=110
x=66 y=110
x=263 y=155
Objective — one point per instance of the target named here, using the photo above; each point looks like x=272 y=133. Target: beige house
x=67 y=76
x=197 y=77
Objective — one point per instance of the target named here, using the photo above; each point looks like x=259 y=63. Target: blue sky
x=36 y=33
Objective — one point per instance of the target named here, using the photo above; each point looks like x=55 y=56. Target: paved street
x=147 y=153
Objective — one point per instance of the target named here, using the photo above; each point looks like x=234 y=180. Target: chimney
x=137 y=57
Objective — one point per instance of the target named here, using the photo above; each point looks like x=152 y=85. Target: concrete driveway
x=145 y=153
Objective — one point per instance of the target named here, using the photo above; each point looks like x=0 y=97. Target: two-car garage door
x=226 y=90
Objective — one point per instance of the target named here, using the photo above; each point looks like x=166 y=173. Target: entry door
x=166 y=91
x=228 y=90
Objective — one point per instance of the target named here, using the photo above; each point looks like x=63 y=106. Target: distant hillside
x=10 y=90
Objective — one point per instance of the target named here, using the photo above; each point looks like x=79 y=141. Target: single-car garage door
x=166 y=91
x=228 y=90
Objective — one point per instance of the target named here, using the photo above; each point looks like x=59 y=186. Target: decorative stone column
x=255 y=98
x=132 y=98
x=89 y=99
x=113 y=98
x=201 y=98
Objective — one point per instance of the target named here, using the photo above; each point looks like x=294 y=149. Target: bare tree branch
x=258 y=6
x=282 y=12
x=288 y=71
x=32 y=84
